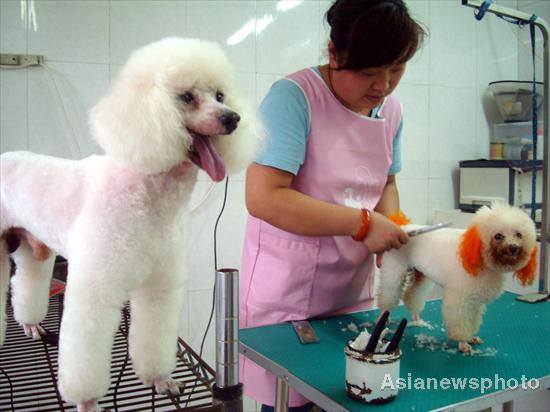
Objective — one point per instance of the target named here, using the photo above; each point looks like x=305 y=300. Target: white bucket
x=366 y=374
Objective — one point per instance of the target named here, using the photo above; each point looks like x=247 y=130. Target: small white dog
x=470 y=265
x=119 y=218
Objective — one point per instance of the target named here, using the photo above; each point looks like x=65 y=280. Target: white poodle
x=120 y=218
x=470 y=266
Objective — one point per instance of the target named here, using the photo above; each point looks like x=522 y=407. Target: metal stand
x=281 y=395
x=545 y=229
x=227 y=390
x=28 y=373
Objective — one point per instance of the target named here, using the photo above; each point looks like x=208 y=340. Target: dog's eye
x=499 y=236
x=186 y=97
x=220 y=97
x=519 y=235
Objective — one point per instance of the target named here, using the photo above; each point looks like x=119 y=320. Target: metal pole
x=545 y=231
x=227 y=390
x=281 y=395
x=545 y=227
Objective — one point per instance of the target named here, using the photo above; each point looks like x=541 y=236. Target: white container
x=517 y=151
x=367 y=375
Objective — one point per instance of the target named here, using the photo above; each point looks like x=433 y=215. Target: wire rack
x=28 y=373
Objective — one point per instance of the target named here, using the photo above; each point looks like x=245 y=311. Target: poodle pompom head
x=500 y=238
x=146 y=121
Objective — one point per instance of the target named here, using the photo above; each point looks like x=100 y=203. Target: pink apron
x=289 y=277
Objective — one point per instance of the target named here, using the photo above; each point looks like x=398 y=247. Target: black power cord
x=215 y=266
x=214 y=288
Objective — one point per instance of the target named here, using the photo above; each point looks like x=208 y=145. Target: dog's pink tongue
x=211 y=161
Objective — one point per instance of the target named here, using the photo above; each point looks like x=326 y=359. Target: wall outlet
x=20 y=60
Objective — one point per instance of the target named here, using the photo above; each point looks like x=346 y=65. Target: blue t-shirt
x=286 y=115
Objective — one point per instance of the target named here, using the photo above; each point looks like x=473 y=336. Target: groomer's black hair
x=372 y=33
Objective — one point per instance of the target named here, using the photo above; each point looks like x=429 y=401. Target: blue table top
x=516 y=349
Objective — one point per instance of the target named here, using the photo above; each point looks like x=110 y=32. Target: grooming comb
x=305 y=332
x=427 y=229
x=397 y=336
x=378 y=328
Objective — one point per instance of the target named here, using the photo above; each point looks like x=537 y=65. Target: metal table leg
x=281 y=395
x=508 y=406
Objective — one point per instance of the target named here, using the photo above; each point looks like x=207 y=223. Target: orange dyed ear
x=399 y=218
x=470 y=251
x=526 y=274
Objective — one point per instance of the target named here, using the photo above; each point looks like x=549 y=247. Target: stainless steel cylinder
x=227 y=327
x=281 y=395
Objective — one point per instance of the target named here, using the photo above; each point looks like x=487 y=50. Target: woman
x=320 y=196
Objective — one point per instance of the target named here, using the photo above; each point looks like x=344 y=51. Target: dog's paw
x=90 y=406
x=464 y=347
x=33 y=331
x=476 y=340
x=167 y=385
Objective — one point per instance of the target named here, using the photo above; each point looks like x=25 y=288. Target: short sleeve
x=396 y=152
x=285 y=113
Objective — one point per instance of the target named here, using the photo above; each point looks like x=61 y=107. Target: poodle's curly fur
x=120 y=218
x=470 y=265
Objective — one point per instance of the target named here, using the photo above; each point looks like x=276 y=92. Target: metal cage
x=28 y=373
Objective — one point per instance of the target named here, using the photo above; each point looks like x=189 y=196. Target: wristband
x=362 y=232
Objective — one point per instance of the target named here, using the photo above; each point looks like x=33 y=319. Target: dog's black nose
x=513 y=249
x=229 y=120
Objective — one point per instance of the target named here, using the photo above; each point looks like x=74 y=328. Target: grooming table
x=28 y=371
x=516 y=335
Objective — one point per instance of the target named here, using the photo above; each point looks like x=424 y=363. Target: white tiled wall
x=85 y=42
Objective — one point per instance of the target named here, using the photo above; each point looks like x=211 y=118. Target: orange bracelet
x=362 y=232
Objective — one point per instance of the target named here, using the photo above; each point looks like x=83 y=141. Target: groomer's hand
x=384 y=235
